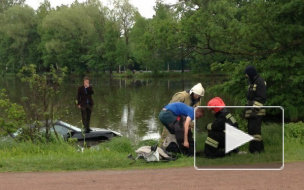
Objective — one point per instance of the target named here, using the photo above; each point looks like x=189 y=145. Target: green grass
x=272 y=137
x=60 y=156
x=294 y=142
x=63 y=157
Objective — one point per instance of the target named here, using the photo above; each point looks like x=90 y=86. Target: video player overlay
x=228 y=139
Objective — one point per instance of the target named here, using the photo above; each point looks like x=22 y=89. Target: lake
x=130 y=106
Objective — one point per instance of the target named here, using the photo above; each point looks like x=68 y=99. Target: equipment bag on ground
x=153 y=154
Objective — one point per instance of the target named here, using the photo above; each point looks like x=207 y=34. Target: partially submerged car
x=67 y=131
x=96 y=136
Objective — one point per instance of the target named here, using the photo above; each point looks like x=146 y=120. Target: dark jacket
x=256 y=96
x=222 y=117
x=84 y=96
x=257 y=90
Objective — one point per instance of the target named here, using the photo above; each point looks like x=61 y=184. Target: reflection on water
x=126 y=105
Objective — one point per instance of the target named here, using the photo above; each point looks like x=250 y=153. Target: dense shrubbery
x=284 y=78
x=294 y=132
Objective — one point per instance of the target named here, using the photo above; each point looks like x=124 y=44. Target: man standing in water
x=85 y=102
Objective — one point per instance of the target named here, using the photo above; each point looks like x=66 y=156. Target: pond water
x=129 y=106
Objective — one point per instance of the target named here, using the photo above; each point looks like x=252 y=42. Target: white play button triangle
x=235 y=138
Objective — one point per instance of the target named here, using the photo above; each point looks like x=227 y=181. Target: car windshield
x=70 y=126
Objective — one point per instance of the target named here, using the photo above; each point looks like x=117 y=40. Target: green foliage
x=42 y=103
x=293 y=141
x=88 y=37
x=203 y=35
x=17 y=23
x=28 y=148
x=294 y=132
x=282 y=74
x=66 y=33
x=266 y=34
x=119 y=144
x=147 y=143
x=155 y=42
x=12 y=115
x=112 y=45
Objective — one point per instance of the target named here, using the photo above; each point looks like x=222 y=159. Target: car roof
x=69 y=126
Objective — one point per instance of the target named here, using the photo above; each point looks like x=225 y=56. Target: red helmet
x=217 y=101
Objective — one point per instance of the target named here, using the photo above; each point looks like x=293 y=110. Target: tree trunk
x=183 y=65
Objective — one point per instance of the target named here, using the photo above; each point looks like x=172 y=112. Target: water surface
x=129 y=106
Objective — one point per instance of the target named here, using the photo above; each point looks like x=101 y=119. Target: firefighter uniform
x=256 y=97
x=215 y=141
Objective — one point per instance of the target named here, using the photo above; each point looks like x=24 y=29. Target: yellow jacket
x=185 y=97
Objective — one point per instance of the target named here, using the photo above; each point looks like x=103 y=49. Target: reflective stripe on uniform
x=229 y=116
x=247 y=113
x=257 y=138
x=209 y=126
x=232 y=120
x=262 y=112
x=254 y=87
x=211 y=142
x=256 y=103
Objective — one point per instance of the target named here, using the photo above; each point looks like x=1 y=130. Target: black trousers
x=216 y=146
x=86 y=116
x=254 y=129
x=176 y=127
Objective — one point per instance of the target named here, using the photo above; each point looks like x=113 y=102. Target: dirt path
x=291 y=177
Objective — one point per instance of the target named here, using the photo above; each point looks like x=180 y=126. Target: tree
x=42 y=104
x=125 y=16
x=4 y=5
x=137 y=45
x=18 y=30
x=110 y=46
x=68 y=33
x=97 y=13
x=159 y=42
x=166 y=26
x=270 y=38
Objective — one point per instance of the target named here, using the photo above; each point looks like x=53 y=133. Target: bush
x=283 y=74
x=294 y=131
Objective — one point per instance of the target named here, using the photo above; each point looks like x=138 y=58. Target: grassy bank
x=61 y=156
x=64 y=157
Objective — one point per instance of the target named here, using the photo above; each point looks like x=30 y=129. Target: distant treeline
x=197 y=35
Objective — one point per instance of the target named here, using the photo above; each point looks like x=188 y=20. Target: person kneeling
x=215 y=142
